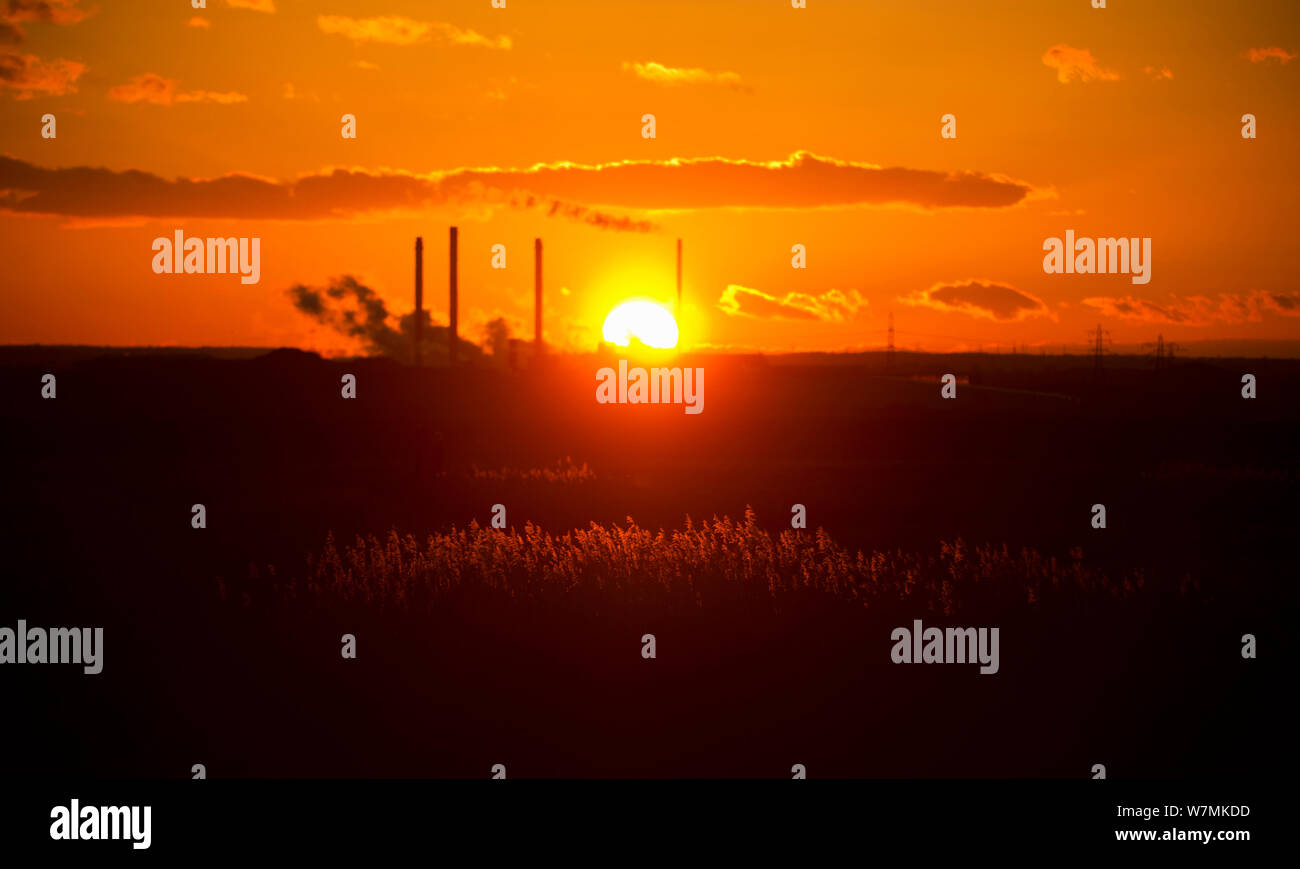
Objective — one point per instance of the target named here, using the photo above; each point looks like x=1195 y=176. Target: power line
x=1100 y=340
x=889 y=351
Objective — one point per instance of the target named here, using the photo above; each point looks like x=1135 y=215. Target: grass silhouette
x=701 y=564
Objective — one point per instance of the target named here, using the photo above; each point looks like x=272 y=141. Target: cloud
x=1200 y=310
x=1286 y=304
x=151 y=88
x=365 y=64
x=980 y=299
x=90 y=195
x=1159 y=73
x=803 y=180
x=254 y=5
x=28 y=76
x=57 y=12
x=830 y=306
x=1262 y=55
x=199 y=21
x=1076 y=63
x=671 y=76
x=356 y=311
x=564 y=189
x=574 y=211
x=397 y=30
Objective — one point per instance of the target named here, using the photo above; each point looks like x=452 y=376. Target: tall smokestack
x=419 y=298
x=679 y=275
x=537 y=297
x=452 y=337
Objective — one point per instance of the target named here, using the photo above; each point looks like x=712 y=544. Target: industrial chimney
x=538 y=347
x=452 y=304
x=419 y=299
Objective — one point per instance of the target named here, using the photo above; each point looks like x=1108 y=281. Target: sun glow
x=643 y=321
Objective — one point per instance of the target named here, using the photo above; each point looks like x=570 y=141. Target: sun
x=640 y=320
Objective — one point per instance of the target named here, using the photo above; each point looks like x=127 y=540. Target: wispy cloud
x=13 y=13
x=1076 y=64
x=830 y=306
x=397 y=30
x=1273 y=52
x=671 y=76
x=1161 y=73
x=27 y=76
x=254 y=5
x=200 y=22
x=980 y=299
x=151 y=88
x=1199 y=310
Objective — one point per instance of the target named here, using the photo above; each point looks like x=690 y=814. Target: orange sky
x=817 y=126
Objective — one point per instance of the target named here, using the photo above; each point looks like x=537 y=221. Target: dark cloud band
x=802 y=181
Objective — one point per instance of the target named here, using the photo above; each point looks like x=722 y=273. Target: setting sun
x=647 y=322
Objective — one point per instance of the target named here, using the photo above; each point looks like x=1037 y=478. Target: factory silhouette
x=538 y=350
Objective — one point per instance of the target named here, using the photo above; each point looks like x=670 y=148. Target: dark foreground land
x=222 y=644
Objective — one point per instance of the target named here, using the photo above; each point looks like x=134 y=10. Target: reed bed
x=700 y=564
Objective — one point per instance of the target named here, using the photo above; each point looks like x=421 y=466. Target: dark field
x=222 y=644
